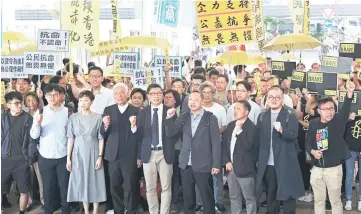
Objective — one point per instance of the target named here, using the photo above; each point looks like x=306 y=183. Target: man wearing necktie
x=156 y=150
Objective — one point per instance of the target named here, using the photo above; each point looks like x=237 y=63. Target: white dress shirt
x=160 y=122
x=102 y=100
x=236 y=131
x=252 y=115
x=52 y=132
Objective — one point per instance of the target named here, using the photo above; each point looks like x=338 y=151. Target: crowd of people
x=168 y=148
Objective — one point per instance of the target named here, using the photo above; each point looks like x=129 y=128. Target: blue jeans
x=350 y=166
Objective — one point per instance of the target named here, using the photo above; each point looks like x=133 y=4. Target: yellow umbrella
x=11 y=37
x=20 y=51
x=145 y=42
x=238 y=58
x=288 y=57
x=292 y=42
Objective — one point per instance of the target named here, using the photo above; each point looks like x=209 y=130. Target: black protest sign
x=355 y=104
x=298 y=80
x=332 y=64
x=322 y=83
x=351 y=50
x=283 y=69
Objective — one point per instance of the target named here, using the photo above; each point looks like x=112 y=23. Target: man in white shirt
x=243 y=92
x=50 y=124
x=103 y=96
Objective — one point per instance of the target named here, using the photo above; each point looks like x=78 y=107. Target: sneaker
x=220 y=208
x=173 y=208
x=198 y=208
x=308 y=197
x=302 y=198
x=264 y=203
x=348 y=205
x=328 y=206
x=359 y=206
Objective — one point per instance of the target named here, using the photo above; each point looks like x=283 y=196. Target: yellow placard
x=107 y=47
x=330 y=92
x=82 y=19
x=306 y=17
x=3 y=89
x=358 y=59
x=347 y=48
x=341 y=96
x=344 y=76
x=297 y=13
x=224 y=22
x=258 y=20
x=279 y=66
x=315 y=77
x=330 y=61
x=354 y=100
x=298 y=76
x=149 y=77
x=116 y=21
x=116 y=68
x=359 y=112
x=276 y=81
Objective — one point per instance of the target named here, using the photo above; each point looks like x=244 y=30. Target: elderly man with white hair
x=121 y=150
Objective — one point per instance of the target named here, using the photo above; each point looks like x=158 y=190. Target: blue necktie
x=155 y=129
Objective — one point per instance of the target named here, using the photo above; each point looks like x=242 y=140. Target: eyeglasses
x=156 y=94
x=52 y=95
x=274 y=98
x=328 y=109
x=16 y=103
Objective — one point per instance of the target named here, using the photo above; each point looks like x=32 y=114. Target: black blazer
x=112 y=138
x=244 y=153
x=144 y=135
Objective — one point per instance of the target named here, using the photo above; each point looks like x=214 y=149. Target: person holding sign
x=329 y=151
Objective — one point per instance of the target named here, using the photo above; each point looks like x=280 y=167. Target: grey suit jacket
x=205 y=145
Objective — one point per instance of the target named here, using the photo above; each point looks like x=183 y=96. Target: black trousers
x=109 y=201
x=270 y=180
x=176 y=178
x=123 y=181
x=204 y=182
x=305 y=170
x=52 y=170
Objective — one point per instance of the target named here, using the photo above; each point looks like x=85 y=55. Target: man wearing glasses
x=327 y=145
x=50 y=124
x=15 y=138
x=278 y=167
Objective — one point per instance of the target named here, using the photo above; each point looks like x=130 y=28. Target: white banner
x=41 y=63
x=140 y=77
x=53 y=40
x=12 y=67
x=175 y=62
x=128 y=61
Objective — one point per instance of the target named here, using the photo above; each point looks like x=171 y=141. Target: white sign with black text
x=140 y=77
x=175 y=63
x=41 y=63
x=12 y=67
x=128 y=61
x=53 y=40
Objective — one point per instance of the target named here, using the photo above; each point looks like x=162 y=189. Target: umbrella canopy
x=288 y=57
x=20 y=51
x=292 y=42
x=145 y=42
x=238 y=58
x=11 y=37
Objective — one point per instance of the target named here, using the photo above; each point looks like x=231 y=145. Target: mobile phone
x=298 y=91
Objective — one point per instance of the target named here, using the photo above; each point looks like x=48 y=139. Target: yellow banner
x=107 y=47
x=82 y=19
x=330 y=61
x=257 y=10
x=347 y=48
x=116 y=20
x=3 y=89
x=224 y=22
x=306 y=18
x=280 y=66
x=298 y=76
x=315 y=77
x=297 y=13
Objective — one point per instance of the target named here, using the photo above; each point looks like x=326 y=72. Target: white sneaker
x=359 y=206
x=301 y=198
x=348 y=205
x=308 y=197
x=110 y=212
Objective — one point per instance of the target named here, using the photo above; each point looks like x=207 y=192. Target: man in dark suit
x=121 y=150
x=200 y=155
x=156 y=150
x=239 y=156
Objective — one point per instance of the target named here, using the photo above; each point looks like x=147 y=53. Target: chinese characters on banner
x=107 y=47
x=257 y=10
x=53 y=40
x=3 y=91
x=224 y=22
x=81 y=17
x=128 y=62
x=116 y=19
x=297 y=10
x=140 y=77
x=168 y=12
x=175 y=65
x=41 y=63
x=306 y=19
x=12 y=67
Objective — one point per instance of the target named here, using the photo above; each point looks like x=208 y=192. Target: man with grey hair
x=121 y=150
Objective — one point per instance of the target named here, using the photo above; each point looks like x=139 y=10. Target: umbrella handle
x=9 y=45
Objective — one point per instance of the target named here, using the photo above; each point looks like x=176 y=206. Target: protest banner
x=297 y=14
x=175 y=65
x=306 y=17
x=116 y=19
x=168 y=12
x=107 y=47
x=41 y=63
x=322 y=83
x=128 y=61
x=351 y=50
x=155 y=75
x=332 y=64
x=81 y=18
x=298 y=80
x=257 y=10
x=3 y=91
x=12 y=67
x=224 y=22
x=355 y=104
x=283 y=69
x=53 y=40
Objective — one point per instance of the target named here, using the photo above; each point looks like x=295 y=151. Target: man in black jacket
x=15 y=138
x=240 y=159
x=326 y=143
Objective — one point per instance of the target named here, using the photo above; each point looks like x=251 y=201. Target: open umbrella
x=11 y=37
x=20 y=51
x=292 y=42
x=238 y=57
